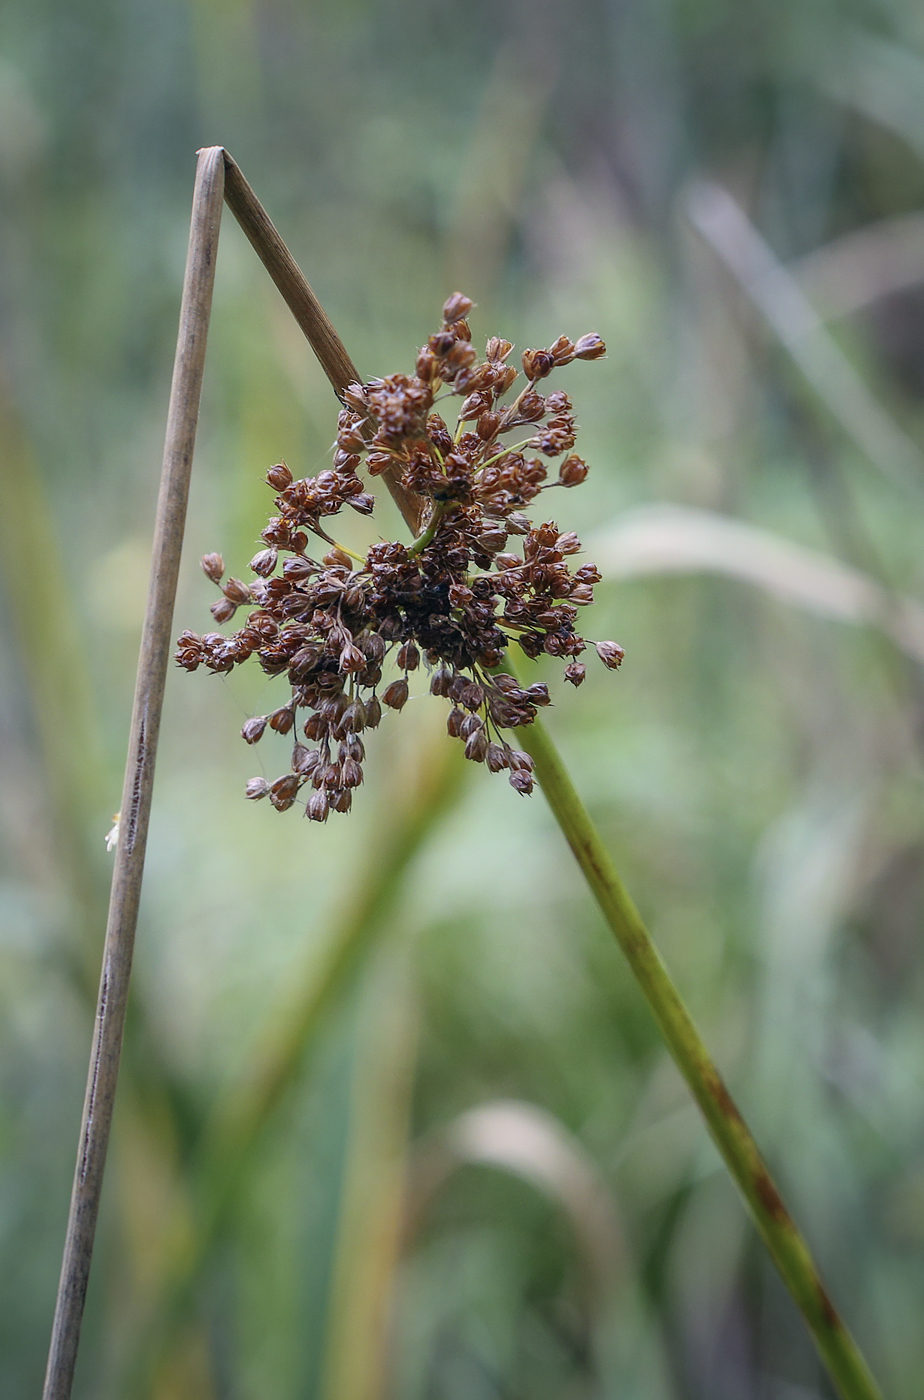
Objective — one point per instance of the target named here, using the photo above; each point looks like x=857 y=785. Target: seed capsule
x=213 y=566
x=395 y=695
x=610 y=653
x=279 y=477
x=253 y=729
x=317 y=807
x=257 y=788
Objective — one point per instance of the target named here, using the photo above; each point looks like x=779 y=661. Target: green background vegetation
x=756 y=766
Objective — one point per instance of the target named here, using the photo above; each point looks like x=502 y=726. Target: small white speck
x=112 y=839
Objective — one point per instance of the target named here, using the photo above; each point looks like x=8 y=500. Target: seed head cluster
x=479 y=575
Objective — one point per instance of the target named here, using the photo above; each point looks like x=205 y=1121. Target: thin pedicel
x=456 y=597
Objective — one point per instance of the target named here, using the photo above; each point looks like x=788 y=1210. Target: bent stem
x=729 y=1131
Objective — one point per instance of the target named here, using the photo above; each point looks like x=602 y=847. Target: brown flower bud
x=456 y=308
x=223 y=610
x=488 y=425
x=351 y=658
x=363 y=503
x=236 y=591
x=282 y=792
x=539 y=693
x=610 y=653
x=575 y=673
x=213 y=566
x=408 y=657
x=521 y=781
x=279 y=477
x=440 y=681
x=341 y=801
x=454 y=723
x=264 y=563
x=496 y=758
x=520 y=760
x=589 y=347
x=395 y=695
x=317 y=806
x=469 y=726
x=492 y=539
x=581 y=594
x=316 y=726
x=337 y=558
x=354 y=717
x=253 y=729
x=352 y=773
x=373 y=712
x=257 y=788
x=568 y=543
x=562 y=352
x=282 y=719
x=572 y=471
x=304 y=760
x=537 y=364
x=354 y=396
x=476 y=746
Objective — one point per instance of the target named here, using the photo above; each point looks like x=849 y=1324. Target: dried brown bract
x=457 y=596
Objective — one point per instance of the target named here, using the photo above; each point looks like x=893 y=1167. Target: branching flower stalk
x=456 y=599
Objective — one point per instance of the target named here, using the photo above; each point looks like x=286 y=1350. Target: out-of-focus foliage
x=756 y=768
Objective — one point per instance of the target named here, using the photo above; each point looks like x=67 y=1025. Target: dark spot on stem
x=140 y=757
x=770 y=1197
x=91 y=1104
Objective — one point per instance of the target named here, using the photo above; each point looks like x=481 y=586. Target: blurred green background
x=449 y=1158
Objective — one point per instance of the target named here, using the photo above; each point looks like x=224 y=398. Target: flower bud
x=257 y=788
x=408 y=657
x=610 y=653
x=575 y=673
x=264 y=563
x=572 y=471
x=282 y=792
x=253 y=729
x=395 y=695
x=352 y=773
x=537 y=364
x=456 y=308
x=341 y=801
x=304 y=760
x=496 y=758
x=521 y=781
x=236 y=591
x=373 y=712
x=363 y=503
x=279 y=477
x=476 y=746
x=213 y=566
x=223 y=610
x=317 y=806
x=282 y=719
x=589 y=347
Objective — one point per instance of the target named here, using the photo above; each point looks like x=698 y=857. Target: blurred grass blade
x=669 y=539
x=369 y=1231
x=862 y=267
x=786 y=309
x=228 y=1141
x=729 y=1131
x=529 y=1143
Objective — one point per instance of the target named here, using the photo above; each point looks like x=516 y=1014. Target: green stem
x=729 y=1131
x=426 y=536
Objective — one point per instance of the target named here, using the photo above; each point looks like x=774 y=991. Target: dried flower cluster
x=455 y=598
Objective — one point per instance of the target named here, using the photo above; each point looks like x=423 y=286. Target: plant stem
x=726 y=1125
x=139 y=775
